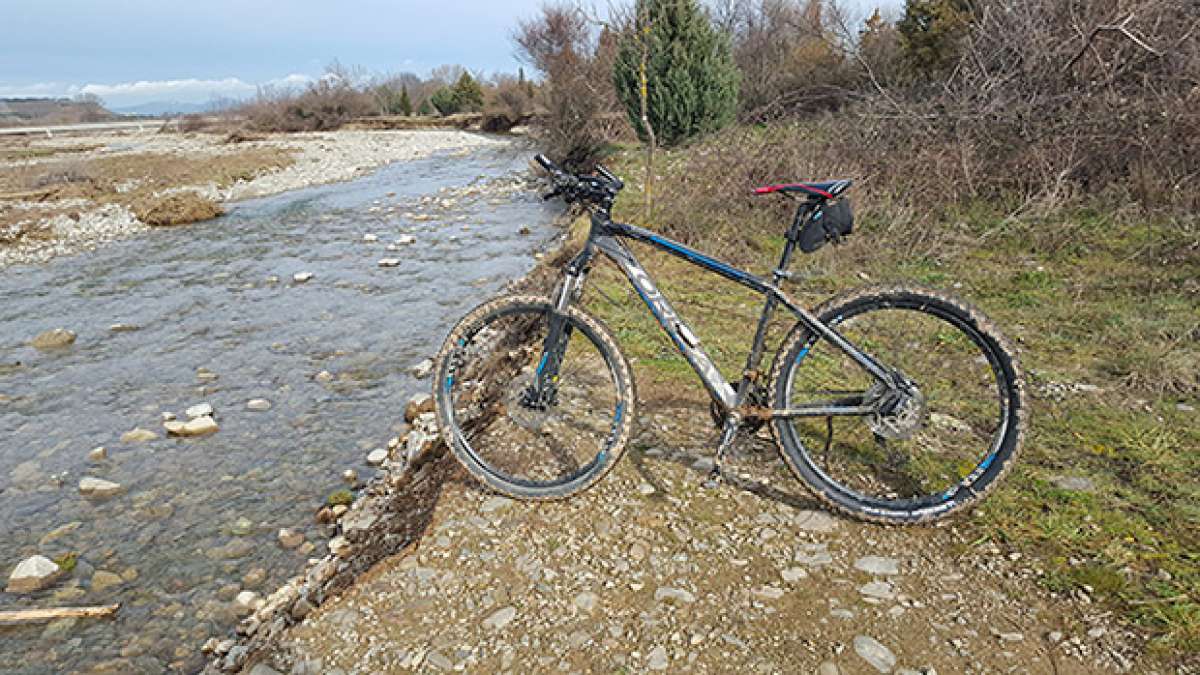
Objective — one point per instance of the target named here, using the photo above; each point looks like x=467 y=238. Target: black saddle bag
x=831 y=222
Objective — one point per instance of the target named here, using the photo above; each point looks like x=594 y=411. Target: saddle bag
x=831 y=222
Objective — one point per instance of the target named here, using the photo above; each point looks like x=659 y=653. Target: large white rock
x=301 y=277
x=199 y=410
x=258 y=405
x=389 y=262
x=33 y=574
x=98 y=487
x=200 y=426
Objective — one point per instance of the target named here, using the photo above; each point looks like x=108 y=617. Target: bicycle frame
x=607 y=237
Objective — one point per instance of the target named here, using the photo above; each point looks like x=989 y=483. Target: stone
x=103 y=580
x=768 y=592
x=98 y=454
x=828 y=668
x=98 y=487
x=33 y=574
x=646 y=489
x=406 y=239
x=254 y=577
x=587 y=601
x=324 y=377
x=421 y=369
x=370 y=238
x=878 y=589
x=673 y=595
x=875 y=654
x=200 y=426
x=417 y=406
x=389 y=262
x=138 y=435
x=247 y=600
x=1074 y=483
x=500 y=618
x=495 y=503
x=56 y=338
x=814 y=557
x=339 y=547
x=289 y=538
x=258 y=405
x=124 y=328
x=878 y=565
x=657 y=658
x=302 y=277
x=199 y=410
x=174 y=427
x=242 y=527
x=377 y=457
x=794 y=574
x=350 y=476
x=814 y=521
x=263 y=669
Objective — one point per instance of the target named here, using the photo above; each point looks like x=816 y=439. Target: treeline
x=342 y=94
x=949 y=100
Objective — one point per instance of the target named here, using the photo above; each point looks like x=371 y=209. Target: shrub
x=180 y=208
x=690 y=74
x=468 y=95
x=444 y=101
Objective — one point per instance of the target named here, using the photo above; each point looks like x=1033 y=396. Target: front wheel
x=535 y=403
x=935 y=452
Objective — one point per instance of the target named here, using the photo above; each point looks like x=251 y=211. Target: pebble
x=339 y=546
x=350 y=476
x=794 y=574
x=103 y=580
x=389 y=262
x=370 y=238
x=673 y=595
x=495 y=504
x=421 y=369
x=377 y=457
x=289 y=538
x=878 y=589
x=33 y=574
x=587 y=601
x=247 y=600
x=138 y=435
x=98 y=454
x=200 y=426
x=875 y=654
x=500 y=618
x=302 y=277
x=815 y=521
x=657 y=658
x=199 y=410
x=124 y=328
x=324 y=376
x=98 y=487
x=769 y=592
x=258 y=405
x=828 y=668
x=878 y=565
x=1074 y=483
x=646 y=489
x=56 y=338
x=406 y=239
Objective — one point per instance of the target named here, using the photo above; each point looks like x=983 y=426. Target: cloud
x=38 y=90
x=190 y=90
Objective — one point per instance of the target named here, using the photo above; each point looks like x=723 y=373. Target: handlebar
x=599 y=190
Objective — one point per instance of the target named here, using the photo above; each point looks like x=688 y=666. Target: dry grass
x=177 y=209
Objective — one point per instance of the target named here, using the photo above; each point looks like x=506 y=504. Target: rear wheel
x=535 y=403
x=936 y=450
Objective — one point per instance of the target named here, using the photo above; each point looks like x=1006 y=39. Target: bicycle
x=536 y=400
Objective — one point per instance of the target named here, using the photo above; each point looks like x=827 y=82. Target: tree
x=444 y=100
x=426 y=108
x=691 y=81
x=931 y=34
x=406 y=106
x=468 y=95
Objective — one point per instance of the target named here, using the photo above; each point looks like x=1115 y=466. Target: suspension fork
x=544 y=390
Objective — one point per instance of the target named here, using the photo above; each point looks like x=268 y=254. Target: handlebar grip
x=610 y=177
x=545 y=162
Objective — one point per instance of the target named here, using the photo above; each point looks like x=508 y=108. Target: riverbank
x=67 y=194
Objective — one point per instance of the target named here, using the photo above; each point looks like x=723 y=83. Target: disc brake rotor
x=906 y=411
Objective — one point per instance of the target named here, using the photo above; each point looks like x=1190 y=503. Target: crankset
x=757 y=399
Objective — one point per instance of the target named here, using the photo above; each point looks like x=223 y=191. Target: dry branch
x=1120 y=28
x=24 y=616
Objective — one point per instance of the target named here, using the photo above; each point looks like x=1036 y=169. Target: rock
x=255 y=577
x=242 y=527
x=324 y=377
x=673 y=595
x=199 y=410
x=103 y=580
x=421 y=369
x=263 y=669
x=339 y=510
x=57 y=338
x=418 y=405
x=97 y=487
x=828 y=668
x=1011 y=637
x=389 y=262
x=33 y=574
x=495 y=503
x=123 y=328
x=174 y=427
x=794 y=574
x=768 y=592
x=879 y=657
x=258 y=405
x=500 y=618
x=98 y=454
x=289 y=538
x=201 y=426
x=302 y=277
x=377 y=457
x=815 y=521
x=814 y=556
x=350 y=476
x=646 y=489
x=587 y=601
x=339 y=547
x=1074 y=483
x=370 y=238
x=138 y=435
x=657 y=658
x=301 y=609
x=878 y=589
x=878 y=565
x=205 y=375
x=247 y=600
x=59 y=532
x=406 y=239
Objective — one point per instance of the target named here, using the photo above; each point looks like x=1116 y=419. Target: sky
x=130 y=52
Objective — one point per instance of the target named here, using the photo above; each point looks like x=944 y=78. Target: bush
x=177 y=209
x=468 y=95
x=690 y=74
x=324 y=105
x=444 y=101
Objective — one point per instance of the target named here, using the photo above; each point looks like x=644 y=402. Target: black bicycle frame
x=606 y=236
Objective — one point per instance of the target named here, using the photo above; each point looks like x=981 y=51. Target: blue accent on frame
x=803 y=353
x=542 y=363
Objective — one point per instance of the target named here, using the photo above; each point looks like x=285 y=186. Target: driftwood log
x=21 y=616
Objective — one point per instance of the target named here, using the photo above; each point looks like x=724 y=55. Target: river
x=213 y=315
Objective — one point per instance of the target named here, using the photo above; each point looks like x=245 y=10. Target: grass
x=1090 y=296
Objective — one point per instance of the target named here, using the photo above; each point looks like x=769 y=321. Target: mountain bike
x=536 y=399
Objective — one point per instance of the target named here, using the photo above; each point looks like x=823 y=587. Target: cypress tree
x=406 y=106
x=691 y=77
x=468 y=95
x=426 y=108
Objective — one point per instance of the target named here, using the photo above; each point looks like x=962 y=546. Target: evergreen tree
x=444 y=100
x=406 y=107
x=426 y=108
x=931 y=33
x=691 y=78
x=468 y=95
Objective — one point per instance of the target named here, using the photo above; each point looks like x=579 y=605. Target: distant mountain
x=18 y=112
x=160 y=108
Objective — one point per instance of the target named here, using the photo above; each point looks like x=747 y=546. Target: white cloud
x=189 y=90
x=38 y=90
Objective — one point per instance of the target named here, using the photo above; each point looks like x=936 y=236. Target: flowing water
x=198 y=518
